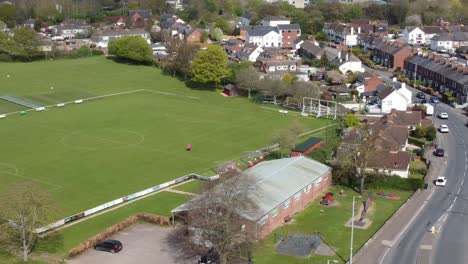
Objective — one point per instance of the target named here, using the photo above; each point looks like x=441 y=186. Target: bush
x=320 y=155
x=395 y=182
x=431 y=133
x=419 y=132
x=417 y=141
x=5 y=57
x=97 y=52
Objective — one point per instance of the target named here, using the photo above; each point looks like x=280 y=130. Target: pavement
x=143 y=243
x=406 y=237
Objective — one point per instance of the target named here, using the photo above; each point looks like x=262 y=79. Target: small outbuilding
x=306 y=147
x=231 y=90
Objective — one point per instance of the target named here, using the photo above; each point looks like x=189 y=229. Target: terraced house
x=440 y=74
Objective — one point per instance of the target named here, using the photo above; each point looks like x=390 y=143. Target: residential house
x=145 y=14
x=274 y=21
x=29 y=23
x=311 y=50
x=72 y=28
x=179 y=4
x=391 y=56
x=290 y=33
x=275 y=63
x=395 y=96
x=246 y=18
x=368 y=41
x=342 y=34
x=440 y=74
x=249 y=52
x=103 y=38
x=264 y=36
x=366 y=84
x=284 y=187
x=390 y=162
x=159 y=50
x=193 y=35
x=345 y=61
x=421 y=35
x=299 y=3
x=449 y=42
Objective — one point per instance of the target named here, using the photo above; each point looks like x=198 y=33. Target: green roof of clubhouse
x=307 y=144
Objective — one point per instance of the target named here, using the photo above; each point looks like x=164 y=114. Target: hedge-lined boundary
x=112 y=230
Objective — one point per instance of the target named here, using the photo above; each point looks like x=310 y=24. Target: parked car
x=421 y=95
x=435 y=100
x=444 y=129
x=441 y=181
x=112 y=246
x=439 y=152
x=423 y=101
x=443 y=116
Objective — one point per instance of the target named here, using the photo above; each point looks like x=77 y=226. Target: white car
x=444 y=129
x=441 y=181
x=443 y=116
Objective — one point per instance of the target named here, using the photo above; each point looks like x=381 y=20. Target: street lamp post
x=352 y=235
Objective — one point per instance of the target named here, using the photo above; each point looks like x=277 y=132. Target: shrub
x=419 y=132
x=97 y=52
x=431 y=133
x=395 y=182
x=319 y=154
x=416 y=141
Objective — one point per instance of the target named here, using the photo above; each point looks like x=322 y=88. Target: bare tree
x=25 y=207
x=248 y=79
x=286 y=138
x=184 y=54
x=335 y=77
x=299 y=90
x=361 y=154
x=214 y=219
x=273 y=88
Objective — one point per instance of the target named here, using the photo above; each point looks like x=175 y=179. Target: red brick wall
x=288 y=43
x=294 y=206
x=400 y=57
x=194 y=37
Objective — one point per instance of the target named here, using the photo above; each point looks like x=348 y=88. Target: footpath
x=388 y=235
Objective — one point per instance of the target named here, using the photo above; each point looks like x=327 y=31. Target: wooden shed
x=306 y=147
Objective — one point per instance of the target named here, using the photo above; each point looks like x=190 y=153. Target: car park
x=441 y=181
x=443 y=129
x=439 y=152
x=443 y=116
x=112 y=246
x=435 y=100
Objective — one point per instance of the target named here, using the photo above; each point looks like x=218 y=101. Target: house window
x=274 y=212
x=307 y=188
x=318 y=181
x=297 y=196
x=286 y=204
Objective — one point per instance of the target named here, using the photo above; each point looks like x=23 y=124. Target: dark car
x=421 y=95
x=439 y=152
x=435 y=100
x=112 y=246
x=423 y=101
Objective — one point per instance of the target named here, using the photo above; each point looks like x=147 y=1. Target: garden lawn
x=330 y=223
x=91 y=153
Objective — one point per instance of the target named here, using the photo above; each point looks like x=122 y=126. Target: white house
x=345 y=61
x=273 y=21
x=414 y=36
x=449 y=42
x=390 y=163
x=394 y=98
x=102 y=39
x=264 y=37
x=250 y=52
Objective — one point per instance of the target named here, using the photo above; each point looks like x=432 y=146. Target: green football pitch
x=90 y=153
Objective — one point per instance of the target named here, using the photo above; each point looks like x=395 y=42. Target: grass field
x=330 y=223
x=100 y=150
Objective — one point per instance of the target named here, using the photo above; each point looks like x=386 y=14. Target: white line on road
x=383 y=256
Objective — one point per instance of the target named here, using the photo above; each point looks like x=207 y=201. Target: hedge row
x=416 y=141
x=112 y=230
x=395 y=182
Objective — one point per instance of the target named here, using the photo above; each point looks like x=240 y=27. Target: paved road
x=446 y=208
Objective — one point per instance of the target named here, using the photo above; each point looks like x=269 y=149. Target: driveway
x=142 y=243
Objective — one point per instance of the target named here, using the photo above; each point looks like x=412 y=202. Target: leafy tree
x=286 y=138
x=248 y=79
x=431 y=133
x=351 y=120
x=217 y=34
x=223 y=25
x=289 y=79
x=299 y=90
x=210 y=66
x=321 y=36
x=7 y=14
x=23 y=45
x=419 y=132
x=131 y=48
x=184 y=55
x=273 y=88
x=324 y=60
x=27 y=206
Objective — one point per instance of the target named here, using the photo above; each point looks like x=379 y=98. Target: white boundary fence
x=124 y=199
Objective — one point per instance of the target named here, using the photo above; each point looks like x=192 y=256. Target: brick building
x=306 y=147
x=289 y=34
x=284 y=187
x=391 y=56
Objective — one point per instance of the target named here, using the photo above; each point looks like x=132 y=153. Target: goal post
x=319 y=108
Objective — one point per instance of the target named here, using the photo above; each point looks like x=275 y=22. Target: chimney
x=394 y=79
x=347 y=56
x=403 y=85
x=352 y=30
x=359 y=30
x=339 y=54
x=341 y=60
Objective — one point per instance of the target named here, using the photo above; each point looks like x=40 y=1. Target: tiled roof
x=289 y=27
x=455 y=36
x=433 y=29
x=125 y=32
x=261 y=31
x=390 y=49
x=389 y=160
x=386 y=92
x=311 y=48
x=143 y=13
